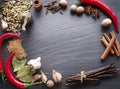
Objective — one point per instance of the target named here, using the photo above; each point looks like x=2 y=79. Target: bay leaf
x=26 y=78
x=25 y=70
x=18 y=64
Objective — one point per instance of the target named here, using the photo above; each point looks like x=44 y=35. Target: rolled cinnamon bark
x=117 y=44
x=114 y=47
x=104 y=55
x=104 y=41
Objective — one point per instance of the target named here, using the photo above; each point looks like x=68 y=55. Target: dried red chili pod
x=104 y=7
x=11 y=77
x=1 y=40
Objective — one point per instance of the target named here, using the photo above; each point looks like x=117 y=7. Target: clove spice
x=53 y=8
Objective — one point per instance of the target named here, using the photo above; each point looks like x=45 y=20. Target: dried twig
x=94 y=76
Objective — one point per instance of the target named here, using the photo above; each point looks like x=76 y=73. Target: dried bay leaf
x=23 y=71
x=26 y=78
x=18 y=64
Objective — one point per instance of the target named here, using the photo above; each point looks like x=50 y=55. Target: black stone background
x=68 y=43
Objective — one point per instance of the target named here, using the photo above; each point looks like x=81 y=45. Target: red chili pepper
x=11 y=77
x=1 y=40
x=104 y=7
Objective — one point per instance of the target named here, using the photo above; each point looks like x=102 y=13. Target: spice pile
x=15 y=45
x=93 y=76
x=112 y=45
x=15 y=15
x=53 y=8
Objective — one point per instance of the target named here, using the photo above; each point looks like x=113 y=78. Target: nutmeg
x=63 y=3
x=106 y=22
x=73 y=8
x=80 y=10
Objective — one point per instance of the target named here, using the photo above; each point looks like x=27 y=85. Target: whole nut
x=73 y=8
x=106 y=22
x=80 y=10
x=63 y=3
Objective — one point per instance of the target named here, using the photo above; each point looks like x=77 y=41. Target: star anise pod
x=88 y=9
x=95 y=14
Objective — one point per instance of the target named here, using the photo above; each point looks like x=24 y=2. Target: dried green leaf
x=32 y=71
x=18 y=64
x=26 y=78
x=23 y=71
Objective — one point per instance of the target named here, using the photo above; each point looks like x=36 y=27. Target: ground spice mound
x=15 y=45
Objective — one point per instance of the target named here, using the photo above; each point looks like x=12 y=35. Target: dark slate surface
x=68 y=43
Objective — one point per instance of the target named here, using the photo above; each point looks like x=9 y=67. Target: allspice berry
x=73 y=8
x=80 y=10
x=50 y=83
x=63 y=3
x=37 y=4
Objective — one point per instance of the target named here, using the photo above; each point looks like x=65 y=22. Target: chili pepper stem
x=3 y=75
x=28 y=85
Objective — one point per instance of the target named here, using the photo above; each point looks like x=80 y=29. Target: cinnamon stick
x=114 y=47
x=104 y=55
x=116 y=42
x=104 y=41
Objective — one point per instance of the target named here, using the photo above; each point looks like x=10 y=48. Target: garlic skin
x=43 y=77
x=4 y=25
x=73 y=8
x=80 y=10
x=50 y=83
x=106 y=22
x=35 y=63
x=57 y=77
x=63 y=3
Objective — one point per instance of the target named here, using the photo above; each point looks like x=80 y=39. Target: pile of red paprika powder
x=105 y=8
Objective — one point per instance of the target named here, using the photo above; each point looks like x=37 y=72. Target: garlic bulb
x=50 y=83
x=35 y=63
x=63 y=3
x=57 y=77
x=43 y=77
x=4 y=25
x=106 y=22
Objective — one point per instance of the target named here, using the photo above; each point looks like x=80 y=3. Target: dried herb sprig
x=93 y=76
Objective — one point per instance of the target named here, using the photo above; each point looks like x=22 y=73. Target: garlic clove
x=106 y=22
x=43 y=77
x=57 y=77
x=36 y=77
x=35 y=63
x=50 y=83
x=4 y=25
